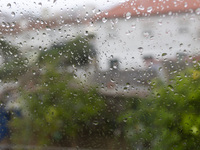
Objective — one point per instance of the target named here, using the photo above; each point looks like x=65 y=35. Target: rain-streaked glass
x=100 y=74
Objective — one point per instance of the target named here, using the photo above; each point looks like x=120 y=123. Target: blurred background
x=100 y=74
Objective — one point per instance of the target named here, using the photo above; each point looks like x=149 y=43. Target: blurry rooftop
x=151 y=7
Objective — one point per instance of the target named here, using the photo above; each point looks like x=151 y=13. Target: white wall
x=153 y=35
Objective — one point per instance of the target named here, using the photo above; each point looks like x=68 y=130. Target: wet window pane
x=100 y=74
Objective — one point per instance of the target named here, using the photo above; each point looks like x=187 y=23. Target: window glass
x=100 y=74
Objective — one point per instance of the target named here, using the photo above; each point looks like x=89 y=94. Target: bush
x=169 y=118
x=55 y=110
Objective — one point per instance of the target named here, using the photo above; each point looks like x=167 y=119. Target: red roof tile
x=151 y=7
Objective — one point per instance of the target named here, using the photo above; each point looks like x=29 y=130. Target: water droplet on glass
x=104 y=20
x=158 y=94
x=94 y=10
x=197 y=11
x=164 y=54
x=40 y=4
x=149 y=9
x=114 y=67
x=13 y=14
x=171 y=87
x=141 y=7
x=75 y=76
x=112 y=80
x=3 y=24
x=128 y=15
x=185 y=5
x=170 y=13
x=146 y=34
x=95 y=123
x=60 y=53
x=160 y=21
x=9 y=5
x=140 y=48
x=125 y=120
x=78 y=20
x=133 y=25
x=86 y=33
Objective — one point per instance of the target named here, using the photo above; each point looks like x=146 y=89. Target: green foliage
x=76 y=52
x=169 y=118
x=14 y=64
x=56 y=111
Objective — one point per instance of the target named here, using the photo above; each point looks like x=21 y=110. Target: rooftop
x=151 y=7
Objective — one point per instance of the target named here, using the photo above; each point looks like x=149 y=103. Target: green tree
x=169 y=118
x=56 y=109
x=78 y=51
x=14 y=63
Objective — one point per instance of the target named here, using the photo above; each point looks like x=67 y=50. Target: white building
x=138 y=28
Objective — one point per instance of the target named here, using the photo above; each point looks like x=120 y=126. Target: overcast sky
x=36 y=6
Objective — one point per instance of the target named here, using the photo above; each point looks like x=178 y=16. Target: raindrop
x=170 y=13
x=114 y=67
x=95 y=123
x=86 y=33
x=112 y=80
x=93 y=10
x=128 y=15
x=133 y=25
x=13 y=24
x=171 y=87
x=164 y=54
x=13 y=14
x=78 y=20
x=149 y=9
x=75 y=76
x=104 y=20
x=9 y=5
x=34 y=73
x=86 y=14
x=140 y=48
x=197 y=11
x=141 y=7
x=158 y=94
x=60 y=53
x=125 y=120
x=160 y=21
x=3 y=24
x=40 y=4
x=146 y=34
x=185 y=5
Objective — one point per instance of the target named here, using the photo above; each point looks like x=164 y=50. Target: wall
x=129 y=40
